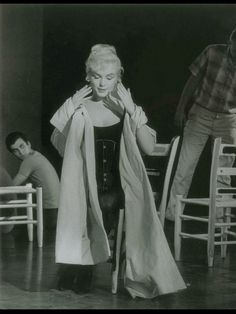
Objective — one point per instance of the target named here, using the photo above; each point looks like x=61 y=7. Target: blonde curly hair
x=100 y=55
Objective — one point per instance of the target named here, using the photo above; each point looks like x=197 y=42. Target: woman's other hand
x=126 y=98
x=81 y=95
x=114 y=104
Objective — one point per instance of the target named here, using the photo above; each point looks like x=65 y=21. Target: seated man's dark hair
x=13 y=137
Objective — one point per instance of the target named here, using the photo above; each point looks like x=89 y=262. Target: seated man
x=6 y=180
x=36 y=169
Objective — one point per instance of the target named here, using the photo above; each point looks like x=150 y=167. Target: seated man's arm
x=24 y=172
x=19 y=179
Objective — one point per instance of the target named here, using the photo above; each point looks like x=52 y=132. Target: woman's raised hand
x=113 y=103
x=126 y=98
x=124 y=101
x=81 y=95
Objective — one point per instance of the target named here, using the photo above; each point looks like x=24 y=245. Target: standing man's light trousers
x=201 y=125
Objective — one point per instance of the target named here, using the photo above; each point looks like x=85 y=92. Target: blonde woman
x=100 y=132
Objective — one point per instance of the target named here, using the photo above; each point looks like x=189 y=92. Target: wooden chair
x=166 y=150
x=117 y=252
x=26 y=201
x=218 y=228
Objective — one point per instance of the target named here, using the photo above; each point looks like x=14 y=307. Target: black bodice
x=107 y=150
x=107 y=146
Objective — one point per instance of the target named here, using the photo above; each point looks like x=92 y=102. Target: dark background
x=44 y=48
x=156 y=44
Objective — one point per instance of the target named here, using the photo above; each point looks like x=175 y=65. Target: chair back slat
x=226 y=190
x=227 y=149
x=161 y=150
x=220 y=151
x=226 y=171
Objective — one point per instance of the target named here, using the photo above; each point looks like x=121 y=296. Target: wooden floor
x=29 y=275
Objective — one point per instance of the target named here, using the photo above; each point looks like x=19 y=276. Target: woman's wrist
x=76 y=105
x=131 y=112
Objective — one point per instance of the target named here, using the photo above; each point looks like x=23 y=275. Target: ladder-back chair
x=25 y=201
x=219 y=229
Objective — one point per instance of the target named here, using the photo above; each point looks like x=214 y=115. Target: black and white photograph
x=117 y=156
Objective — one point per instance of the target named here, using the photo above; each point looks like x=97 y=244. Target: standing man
x=36 y=169
x=211 y=93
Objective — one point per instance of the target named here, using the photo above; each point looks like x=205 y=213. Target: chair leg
x=210 y=260
x=30 y=226
x=39 y=217
x=178 y=226
x=211 y=236
x=30 y=217
x=115 y=273
x=224 y=237
x=39 y=267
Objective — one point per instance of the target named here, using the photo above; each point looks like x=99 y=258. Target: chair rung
x=217 y=235
x=14 y=222
x=12 y=218
x=202 y=236
x=16 y=190
x=18 y=205
x=196 y=201
x=14 y=202
x=230 y=233
x=206 y=202
x=224 y=242
x=187 y=217
x=151 y=172
x=225 y=224
x=205 y=238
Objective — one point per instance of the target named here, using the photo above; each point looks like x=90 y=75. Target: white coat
x=81 y=238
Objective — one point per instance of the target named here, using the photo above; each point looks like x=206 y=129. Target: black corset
x=107 y=150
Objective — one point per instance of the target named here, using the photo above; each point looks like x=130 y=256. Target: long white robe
x=81 y=238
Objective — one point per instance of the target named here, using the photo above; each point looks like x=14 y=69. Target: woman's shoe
x=64 y=284
x=83 y=280
x=66 y=278
x=81 y=290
